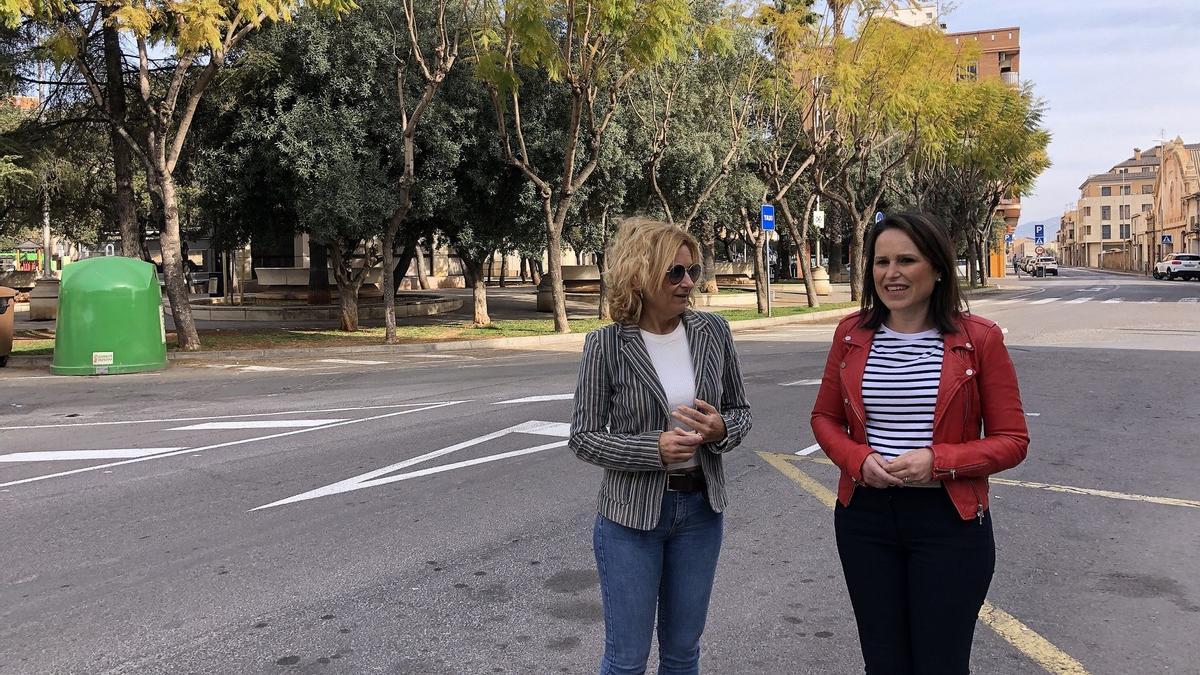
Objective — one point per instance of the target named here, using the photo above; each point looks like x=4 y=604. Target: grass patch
x=746 y=314
x=32 y=347
x=285 y=338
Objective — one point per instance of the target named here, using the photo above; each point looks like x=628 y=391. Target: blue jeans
x=669 y=568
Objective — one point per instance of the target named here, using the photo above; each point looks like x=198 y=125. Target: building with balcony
x=1104 y=216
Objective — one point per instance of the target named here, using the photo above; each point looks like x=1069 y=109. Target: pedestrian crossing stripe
x=1045 y=301
x=1078 y=301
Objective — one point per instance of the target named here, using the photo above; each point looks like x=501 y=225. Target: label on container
x=162 y=324
x=102 y=358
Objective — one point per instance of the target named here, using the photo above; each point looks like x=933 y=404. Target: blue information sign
x=768 y=217
x=1039 y=240
x=879 y=216
x=1008 y=238
x=1039 y=231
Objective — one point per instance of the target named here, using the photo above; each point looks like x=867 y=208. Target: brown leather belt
x=692 y=481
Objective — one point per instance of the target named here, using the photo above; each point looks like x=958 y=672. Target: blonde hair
x=638 y=257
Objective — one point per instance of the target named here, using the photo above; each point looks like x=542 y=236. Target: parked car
x=1050 y=263
x=1182 y=265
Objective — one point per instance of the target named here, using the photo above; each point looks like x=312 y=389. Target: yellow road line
x=1168 y=501
x=1051 y=487
x=1025 y=639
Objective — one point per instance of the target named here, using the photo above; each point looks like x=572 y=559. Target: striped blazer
x=620 y=410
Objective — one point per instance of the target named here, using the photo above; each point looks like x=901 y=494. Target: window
x=1124 y=211
x=1105 y=213
x=1106 y=191
x=1147 y=189
x=1124 y=230
x=1126 y=189
x=1087 y=212
x=1106 y=231
x=1146 y=169
x=1147 y=208
x=1087 y=230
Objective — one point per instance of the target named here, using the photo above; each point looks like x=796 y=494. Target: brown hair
x=932 y=240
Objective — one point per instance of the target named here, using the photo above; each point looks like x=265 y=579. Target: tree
x=202 y=37
x=433 y=63
x=996 y=151
x=592 y=48
x=883 y=94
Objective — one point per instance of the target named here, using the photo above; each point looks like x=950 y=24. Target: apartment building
x=1110 y=205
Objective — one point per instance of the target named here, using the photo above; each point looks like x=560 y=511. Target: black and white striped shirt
x=900 y=388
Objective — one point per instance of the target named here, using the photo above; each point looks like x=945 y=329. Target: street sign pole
x=768 y=226
x=819 y=226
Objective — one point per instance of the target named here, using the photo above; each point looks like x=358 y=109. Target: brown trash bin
x=8 y=310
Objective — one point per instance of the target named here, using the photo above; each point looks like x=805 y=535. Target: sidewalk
x=503 y=304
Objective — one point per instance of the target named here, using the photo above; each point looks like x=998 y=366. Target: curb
x=462 y=345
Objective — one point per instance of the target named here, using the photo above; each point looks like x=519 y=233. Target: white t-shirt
x=672 y=361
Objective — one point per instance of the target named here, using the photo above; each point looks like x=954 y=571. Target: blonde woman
x=660 y=398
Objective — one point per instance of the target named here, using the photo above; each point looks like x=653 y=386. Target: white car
x=1048 y=262
x=1181 y=265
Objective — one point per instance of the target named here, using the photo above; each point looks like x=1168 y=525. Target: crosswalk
x=1080 y=300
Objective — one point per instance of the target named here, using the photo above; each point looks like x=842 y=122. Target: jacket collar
x=860 y=336
x=634 y=348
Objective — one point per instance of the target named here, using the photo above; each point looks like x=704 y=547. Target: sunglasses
x=675 y=273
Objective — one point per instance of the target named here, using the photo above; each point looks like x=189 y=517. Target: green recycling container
x=110 y=319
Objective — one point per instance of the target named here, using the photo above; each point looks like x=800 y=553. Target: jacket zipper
x=978 y=504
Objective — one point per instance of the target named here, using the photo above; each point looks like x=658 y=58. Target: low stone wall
x=405 y=307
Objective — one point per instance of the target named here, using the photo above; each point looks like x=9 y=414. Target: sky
x=1115 y=75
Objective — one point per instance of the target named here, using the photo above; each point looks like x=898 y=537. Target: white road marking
x=1045 y=301
x=801 y=383
x=1009 y=302
x=1153 y=299
x=536 y=399
x=167 y=420
x=1113 y=301
x=1033 y=414
x=809 y=450
x=380 y=476
x=257 y=424
x=77 y=455
x=263 y=369
x=1078 y=301
x=1189 y=300
x=353 y=362
x=243 y=441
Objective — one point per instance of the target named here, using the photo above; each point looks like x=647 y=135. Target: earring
x=937 y=280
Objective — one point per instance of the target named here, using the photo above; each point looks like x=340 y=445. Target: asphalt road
x=421 y=515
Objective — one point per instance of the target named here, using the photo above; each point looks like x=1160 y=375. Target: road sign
x=1166 y=239
x=1008 y=238
x=768 y=217
x=1039 y=240
x=819 y=219
x=1039 y=231
x=879 y=216
x=1039 y=250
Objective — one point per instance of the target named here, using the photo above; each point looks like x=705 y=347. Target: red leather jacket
x=978 y=393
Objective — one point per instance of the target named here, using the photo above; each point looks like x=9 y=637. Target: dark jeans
x=669 y=569
x=917 y=576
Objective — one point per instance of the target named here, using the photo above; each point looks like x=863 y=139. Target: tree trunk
x=473 y=271
x=602 y=264
x=708 y=258
x=400 y=271
x=523 y=263
x=172 y=256
x=422 y=277
x=123 y=198
x=389 y=278
x=799 y=234
x=503 y=268
x=554 y=253
x=535 y=272
x=318 y=273
x=856 y=257
x=348 y=284
x=760 y=272
x=489 y=263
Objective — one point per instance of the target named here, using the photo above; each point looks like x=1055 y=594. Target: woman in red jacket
x=918 y=406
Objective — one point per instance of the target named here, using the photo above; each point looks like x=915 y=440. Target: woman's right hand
x=678 y=445
x=875 y=474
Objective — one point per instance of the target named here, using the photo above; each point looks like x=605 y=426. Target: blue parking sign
x=768 y=217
